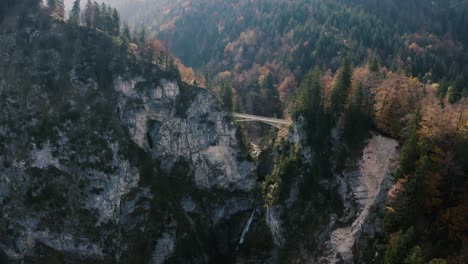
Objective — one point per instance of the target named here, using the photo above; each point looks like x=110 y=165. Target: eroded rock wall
x=108 y=160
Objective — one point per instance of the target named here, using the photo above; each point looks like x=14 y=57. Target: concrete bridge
x=278 y=123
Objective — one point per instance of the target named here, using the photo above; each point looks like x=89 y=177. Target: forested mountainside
x=107 y=156
x=243 y=41
x=424 y=207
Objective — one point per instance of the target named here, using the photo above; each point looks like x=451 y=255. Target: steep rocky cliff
x=364 y=188
x=106 y=159
x=323 y=214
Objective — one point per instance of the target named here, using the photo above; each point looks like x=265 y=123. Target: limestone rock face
x=381 y=156
x=105 y=160
x=203 y=134
x=365 y=197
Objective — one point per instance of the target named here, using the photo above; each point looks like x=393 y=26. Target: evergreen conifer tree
x=227 y=96
x=341 y=87
x=89 y=14
x=75 y=13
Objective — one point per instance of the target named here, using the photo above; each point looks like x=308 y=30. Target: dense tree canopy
x=432 y=166
x=243 y=41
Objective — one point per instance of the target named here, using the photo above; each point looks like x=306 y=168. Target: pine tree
x=227 y=96
x=115 y=22
x=173 y=66
x=356 y=121
x=442 y=89
x=126 y=32
x=310 y=105
x=142 y=35
x=166 y=58
x=399 y=245
x=124 y=49
x=97 y=16
x=89 y=14
x=373 y=65
x=269 y=97
x=147 y=52
x=160 y=58
x=75 y=13
x=415 y=256
x=315 y=92
x=341 y=87
x=207 y=76
x=105 y=18
x=409 y=153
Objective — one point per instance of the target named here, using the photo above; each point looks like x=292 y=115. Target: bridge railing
x=267 y=120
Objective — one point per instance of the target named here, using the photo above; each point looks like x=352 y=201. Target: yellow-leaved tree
x=396 y=100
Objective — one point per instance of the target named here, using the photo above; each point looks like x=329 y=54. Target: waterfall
x=246 y=228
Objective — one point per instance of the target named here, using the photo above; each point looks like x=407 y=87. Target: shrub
x=276 y=183
x=398 y=247
x=415 y=256
x=438 y=261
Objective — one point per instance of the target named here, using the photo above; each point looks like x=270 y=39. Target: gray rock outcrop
x=106 y=160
